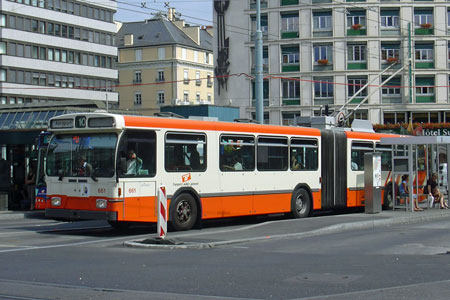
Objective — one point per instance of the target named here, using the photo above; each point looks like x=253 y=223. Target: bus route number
x=132 y=191
x=80 y=122
x=102 y=190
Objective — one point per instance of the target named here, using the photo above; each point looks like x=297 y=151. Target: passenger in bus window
x=193 y=157
x=134 y=163
x=354 y=166
x=294 y=163
x=236 y=165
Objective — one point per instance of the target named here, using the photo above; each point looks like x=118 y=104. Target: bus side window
x=136 y=155
x=357 y=155
x=237 y=153
x=185 y=152
x=272 y=154
x=304 y=154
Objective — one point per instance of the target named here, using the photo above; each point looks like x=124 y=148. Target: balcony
x=160 y=79
x=198 y=82
x=289 y=34
x=209 y=84
x=362 y=65
x=186 y=80
x=424 y=64
x=137 y=81
x=291 y=101
x=290 y=67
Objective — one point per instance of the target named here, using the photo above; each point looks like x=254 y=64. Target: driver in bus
x=134 y=163
x=85 y=168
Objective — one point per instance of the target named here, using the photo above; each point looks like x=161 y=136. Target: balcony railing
x=186 y=80
x=160 y=79
x=209 y=84
x=198 y=82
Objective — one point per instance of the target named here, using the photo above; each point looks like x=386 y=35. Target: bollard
x=162 y=212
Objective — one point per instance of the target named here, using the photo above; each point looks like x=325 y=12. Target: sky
x=195 y=12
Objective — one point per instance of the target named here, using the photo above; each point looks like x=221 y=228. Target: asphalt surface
x=278 y=229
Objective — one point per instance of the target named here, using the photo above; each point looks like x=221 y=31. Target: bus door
x=136 y=168
x=139 y=200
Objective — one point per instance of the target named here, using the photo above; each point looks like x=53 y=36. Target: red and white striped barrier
x=162 y=212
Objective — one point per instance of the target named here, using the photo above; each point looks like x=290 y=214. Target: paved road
x=392 y=255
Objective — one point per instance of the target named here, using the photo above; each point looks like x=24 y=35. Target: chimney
x=171 y=14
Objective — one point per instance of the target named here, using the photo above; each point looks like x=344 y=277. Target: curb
x=12 y=215
x=336 y=228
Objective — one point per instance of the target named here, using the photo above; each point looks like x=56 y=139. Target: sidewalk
x=287 y=228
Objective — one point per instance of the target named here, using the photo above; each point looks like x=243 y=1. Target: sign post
x=162 y=212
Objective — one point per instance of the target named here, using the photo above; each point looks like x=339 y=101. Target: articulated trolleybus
x=110 y=167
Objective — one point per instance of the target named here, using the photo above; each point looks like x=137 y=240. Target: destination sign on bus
x=61 y=123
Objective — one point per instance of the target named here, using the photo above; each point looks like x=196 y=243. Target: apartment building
x=321 y=54
x=164 y=61
x=50 y=47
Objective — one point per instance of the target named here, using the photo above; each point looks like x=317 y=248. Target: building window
x=161 y=53
x=323 y=54
x=183 y=54
x=389 y=19
x=390 y=52
x=2 y=75
x=291 y=91
x=356 y=53
x=289 y=22
x=186 y=76
x=209 y=81
x=160 y=97
x=323 y=87
x=356 y=19
x=138 y=54
x=425 y=86
x=289 y=118
x=392 y=88
x=198 y=81
x=322 y=21
x=137 y=99
x=355 y=84
x=265 y=58
x=424 y=52
x=2 y=47
x=209 y=98
x=264 y=26
x=186 y=96
x=160 y=77
x=423 y=17
x=197 y=97
x=206 y=58
x=196 y=56
x=137 y=77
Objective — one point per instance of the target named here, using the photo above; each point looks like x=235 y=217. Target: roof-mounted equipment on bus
x=245 y=120
x=169 y=114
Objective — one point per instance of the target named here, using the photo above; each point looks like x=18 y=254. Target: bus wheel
x=119 y=225
x=301 y=204
x=388 y=202
x=184 y=212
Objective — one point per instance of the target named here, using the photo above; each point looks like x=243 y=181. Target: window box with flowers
x=392 y=60
x=356 y=29
x=424 y=29
x=426 y=25
x=323 y=62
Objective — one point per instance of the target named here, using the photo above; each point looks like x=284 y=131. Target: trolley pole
x=259 y=66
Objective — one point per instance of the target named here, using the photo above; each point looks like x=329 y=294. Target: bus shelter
x=419 y=157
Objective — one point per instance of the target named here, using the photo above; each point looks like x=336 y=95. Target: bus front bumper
x=70 y=214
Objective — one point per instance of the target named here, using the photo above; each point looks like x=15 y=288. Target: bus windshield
x=81 y=155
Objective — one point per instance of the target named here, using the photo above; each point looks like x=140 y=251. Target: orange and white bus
x=109 y=167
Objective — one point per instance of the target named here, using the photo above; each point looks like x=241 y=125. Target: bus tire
x=183 y=214
x=388 y=202
x=301 y=203
x=119 y=225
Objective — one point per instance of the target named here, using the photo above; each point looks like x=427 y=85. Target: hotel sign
x=436 y=132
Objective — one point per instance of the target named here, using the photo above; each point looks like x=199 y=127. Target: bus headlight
x=101 y=203
x=56 y=201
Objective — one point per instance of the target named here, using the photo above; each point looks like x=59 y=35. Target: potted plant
x=426 y=25
x=322 y=61
x=356 y=26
